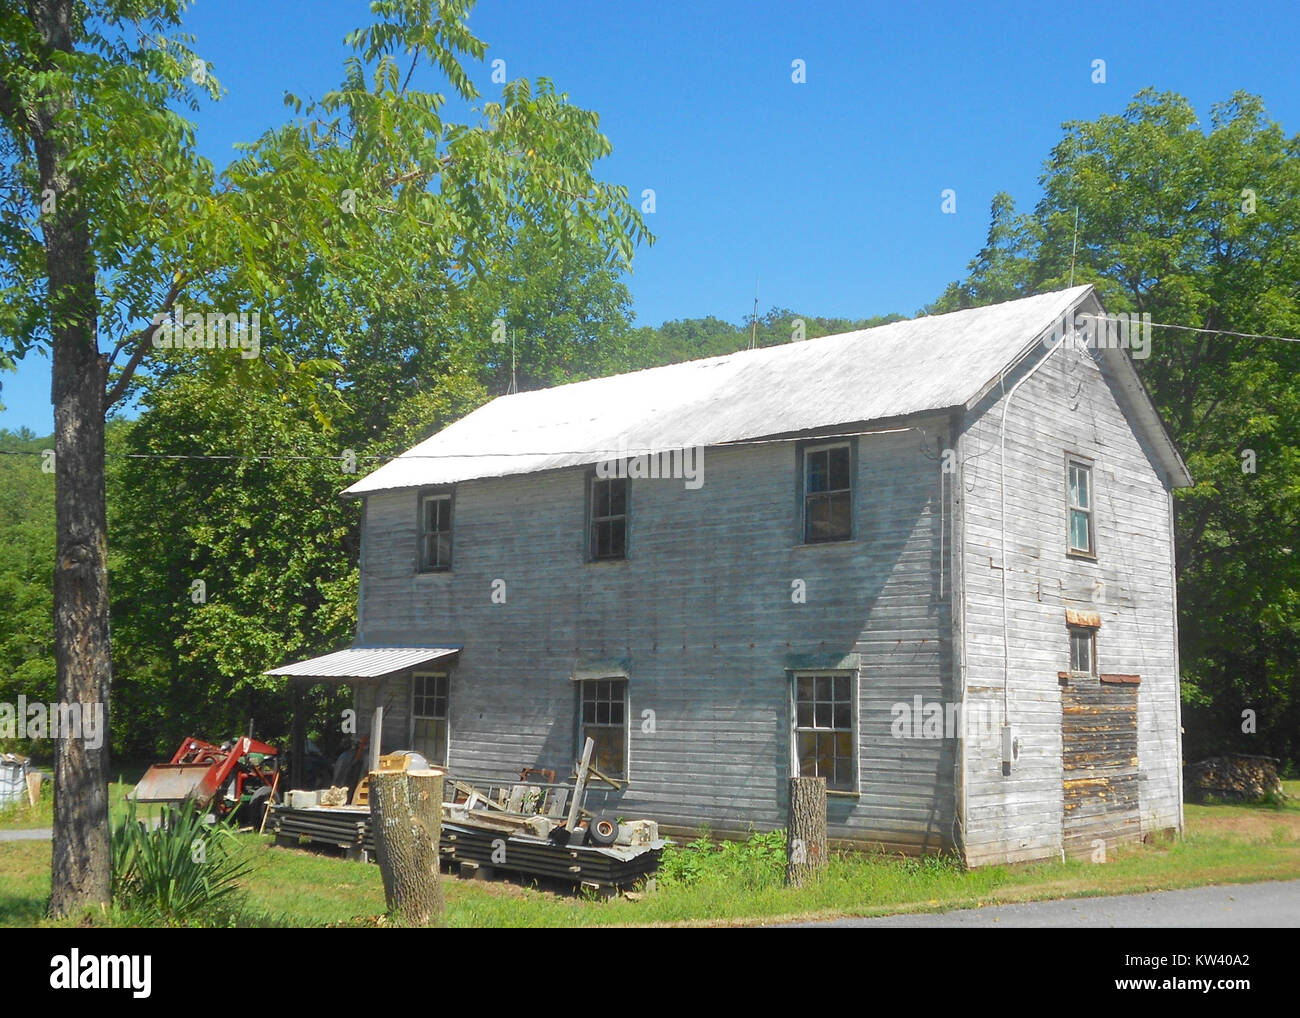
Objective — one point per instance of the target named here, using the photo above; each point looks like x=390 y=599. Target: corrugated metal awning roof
x=364 y=662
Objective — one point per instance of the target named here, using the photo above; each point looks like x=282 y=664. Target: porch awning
x=364 y=662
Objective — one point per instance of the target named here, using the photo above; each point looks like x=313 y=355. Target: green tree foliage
x=110 y=221
x=227 y=567
x=1005 y=267
x=1198 y=226
x=693 y=338
x=563 y=316
x=26 y=551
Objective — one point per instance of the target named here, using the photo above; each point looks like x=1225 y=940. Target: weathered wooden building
x=931 y=561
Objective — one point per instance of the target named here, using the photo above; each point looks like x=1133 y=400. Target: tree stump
x=406 y=817
x=806 y=839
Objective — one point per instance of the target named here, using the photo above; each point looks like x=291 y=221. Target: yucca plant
x=185 y=870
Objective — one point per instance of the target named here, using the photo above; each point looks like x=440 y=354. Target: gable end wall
x=1068 y=406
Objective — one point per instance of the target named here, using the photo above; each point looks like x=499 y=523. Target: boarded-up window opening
x=1099 y=765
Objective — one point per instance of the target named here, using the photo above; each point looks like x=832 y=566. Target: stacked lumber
x=1234 y=776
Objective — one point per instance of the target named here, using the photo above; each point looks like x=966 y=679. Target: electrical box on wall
x=1010 y=749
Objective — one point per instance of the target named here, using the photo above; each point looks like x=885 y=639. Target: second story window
x=1079 y=484
x=827 y=493
x=435 y=532
x=608 y=530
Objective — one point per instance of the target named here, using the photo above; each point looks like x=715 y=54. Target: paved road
x=37 y=834
x=1238 y=906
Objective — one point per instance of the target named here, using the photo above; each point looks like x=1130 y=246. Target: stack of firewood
x=1235 y=776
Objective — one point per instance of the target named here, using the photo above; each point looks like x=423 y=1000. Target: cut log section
x=407 y=817
x=806 y=844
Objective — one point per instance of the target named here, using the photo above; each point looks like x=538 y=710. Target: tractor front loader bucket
x=175 y=783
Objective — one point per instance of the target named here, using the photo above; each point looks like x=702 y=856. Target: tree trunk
x=806 y=844
x=80 y=873
x=406 y=817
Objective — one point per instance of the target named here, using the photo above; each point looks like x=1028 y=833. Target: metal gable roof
x=924 y=364
x=364 y=662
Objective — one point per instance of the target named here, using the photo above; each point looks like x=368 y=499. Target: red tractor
x=236 y=775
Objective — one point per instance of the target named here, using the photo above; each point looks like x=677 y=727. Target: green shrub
x=186 y=871
x=751 y=864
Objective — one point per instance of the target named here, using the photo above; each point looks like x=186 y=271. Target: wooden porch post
x=377 y=725
x=298 y=746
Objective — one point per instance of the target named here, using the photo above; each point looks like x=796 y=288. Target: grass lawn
x=1222 y=844
x=23 y=817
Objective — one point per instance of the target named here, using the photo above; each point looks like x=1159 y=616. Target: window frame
x=805 y=451
x=581 y=736
x=855 y=724
x=1073 y=461
x=445 y=676
x=592 y=478
x=1091 y=633
x=426 y=495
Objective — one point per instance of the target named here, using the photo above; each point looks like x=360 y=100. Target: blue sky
x=827 y=193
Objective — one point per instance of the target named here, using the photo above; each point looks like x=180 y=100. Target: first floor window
x=823 y=729
x=604 y=720
x=435 y=532
x=1083 y=646
x=429 y=717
